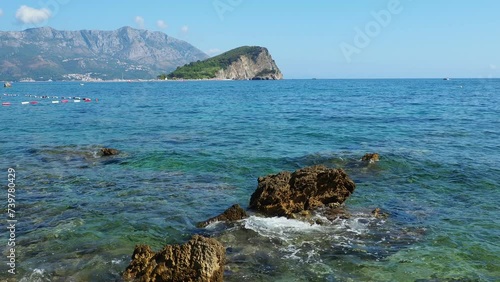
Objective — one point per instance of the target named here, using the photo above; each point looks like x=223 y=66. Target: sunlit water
x=189 y=150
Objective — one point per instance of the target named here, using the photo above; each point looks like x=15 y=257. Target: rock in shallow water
x=371 y=157
x=286 y=193
x=201 y=259
x=234 y=213
x=108 y=152
x=378 y=213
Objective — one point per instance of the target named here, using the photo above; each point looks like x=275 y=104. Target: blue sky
x=322 y=38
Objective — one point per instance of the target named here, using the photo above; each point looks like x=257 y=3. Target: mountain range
x=126 y=53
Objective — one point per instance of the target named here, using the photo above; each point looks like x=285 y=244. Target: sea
x=191 y=149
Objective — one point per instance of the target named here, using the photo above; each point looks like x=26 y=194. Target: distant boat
x=7 y=84
x=446 y=78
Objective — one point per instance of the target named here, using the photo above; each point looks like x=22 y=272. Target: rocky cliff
x=243 y=63
x=261 y=67
x=45 y=53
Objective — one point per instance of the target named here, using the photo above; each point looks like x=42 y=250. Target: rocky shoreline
x=286 y=194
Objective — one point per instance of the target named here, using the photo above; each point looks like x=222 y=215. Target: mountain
x=45 y=53
x=247 y=62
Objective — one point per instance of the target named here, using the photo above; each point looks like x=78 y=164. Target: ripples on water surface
x=192 y=149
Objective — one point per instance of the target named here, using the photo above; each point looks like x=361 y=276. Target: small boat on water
x=7 y=84
x=446 y=78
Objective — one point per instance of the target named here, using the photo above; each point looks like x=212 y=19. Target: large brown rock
x=286 y=193
x=234 y=213
x=201 y=259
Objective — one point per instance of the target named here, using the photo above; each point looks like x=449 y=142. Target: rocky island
x=243 y=63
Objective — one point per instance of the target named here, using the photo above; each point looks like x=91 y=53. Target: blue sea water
x=191 y=149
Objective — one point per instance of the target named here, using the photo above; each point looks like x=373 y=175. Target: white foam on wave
x=213 y=225
x=358 y=224
x=38 y=275
x=284 y=228
x=298 y=242
x=279 y=227
x=301 y=252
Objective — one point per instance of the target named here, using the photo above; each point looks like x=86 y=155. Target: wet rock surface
x=378 y=213
x=371 y=157
x=286 y=193
x=234 y=213
x=108 y=152
x=201 y=259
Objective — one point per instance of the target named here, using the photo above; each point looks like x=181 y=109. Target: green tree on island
x=208 y=68
x=162 y=77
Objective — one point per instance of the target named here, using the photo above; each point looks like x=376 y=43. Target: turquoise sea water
x=192 y=149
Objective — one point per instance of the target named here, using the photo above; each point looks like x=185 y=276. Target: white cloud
x=139 y=21
x=213 y=51
x=1 y=12
x=28 y=15
x=161 y=24
x=185 y=29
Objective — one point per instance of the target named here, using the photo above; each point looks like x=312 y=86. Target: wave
x=274 y=244
x=279 y=227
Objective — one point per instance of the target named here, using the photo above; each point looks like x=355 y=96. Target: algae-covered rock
x=286 y=193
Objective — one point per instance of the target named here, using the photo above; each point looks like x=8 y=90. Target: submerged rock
x=336 y=212
x=201 y=259
x=234 y=213
x=378 y=213
x=286 y=193
x=108 y=152
x=370 y=157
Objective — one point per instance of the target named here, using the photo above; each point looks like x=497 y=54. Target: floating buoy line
x=50 y=100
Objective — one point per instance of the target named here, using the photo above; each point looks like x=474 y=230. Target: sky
x=307 y=39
